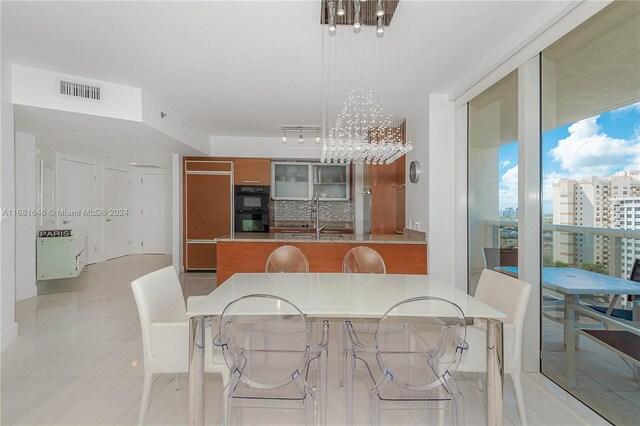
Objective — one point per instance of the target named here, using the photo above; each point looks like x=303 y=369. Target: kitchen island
x=248 y=252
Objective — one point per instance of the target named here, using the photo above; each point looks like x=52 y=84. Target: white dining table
x=337 y=297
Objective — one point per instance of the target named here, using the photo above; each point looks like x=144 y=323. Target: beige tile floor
x=78 y=361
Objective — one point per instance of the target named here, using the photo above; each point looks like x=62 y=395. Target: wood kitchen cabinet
x=208 y=209
x=252 y=171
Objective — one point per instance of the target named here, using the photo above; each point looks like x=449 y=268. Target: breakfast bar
x=248 y=252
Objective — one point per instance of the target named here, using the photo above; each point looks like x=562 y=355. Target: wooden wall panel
x=323 y=257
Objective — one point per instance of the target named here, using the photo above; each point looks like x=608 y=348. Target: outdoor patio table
x=572 y=283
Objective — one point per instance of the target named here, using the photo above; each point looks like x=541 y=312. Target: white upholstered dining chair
x=165 y=331
x=510 y=296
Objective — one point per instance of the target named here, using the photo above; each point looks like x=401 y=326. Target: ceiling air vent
x=79 y=90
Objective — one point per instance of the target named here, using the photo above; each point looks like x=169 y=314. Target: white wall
x=416 y=194
x=26 y=198
x=173 y=124
x=8 y=325
x=440 y=232
x=265 y=147
x=37 y=87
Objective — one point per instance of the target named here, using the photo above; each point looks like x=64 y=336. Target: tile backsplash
x=293 y=213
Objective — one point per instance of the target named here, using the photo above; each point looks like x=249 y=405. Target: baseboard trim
x=26 y=293
x=9 y=336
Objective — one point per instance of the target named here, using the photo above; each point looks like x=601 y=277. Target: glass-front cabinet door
x=331 y=181
x=291 y=181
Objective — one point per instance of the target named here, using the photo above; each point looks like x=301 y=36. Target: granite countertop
x=327 y=238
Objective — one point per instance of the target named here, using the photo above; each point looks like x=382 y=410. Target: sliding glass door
x=583 y=92
x=591 y=209
x=493 y=178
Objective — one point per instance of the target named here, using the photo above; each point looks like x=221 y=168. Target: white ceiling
x=91 y=137
x=245 y=68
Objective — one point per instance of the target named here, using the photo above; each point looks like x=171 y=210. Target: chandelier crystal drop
x=363 y=133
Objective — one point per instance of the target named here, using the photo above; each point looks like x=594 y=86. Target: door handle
x=108 y=220
x=251 y=181
x=64 y=222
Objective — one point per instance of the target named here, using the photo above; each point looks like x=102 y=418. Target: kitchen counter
x=324 y=238
x=248 y=252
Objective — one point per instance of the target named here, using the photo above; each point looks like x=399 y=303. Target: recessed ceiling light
x=133 y=164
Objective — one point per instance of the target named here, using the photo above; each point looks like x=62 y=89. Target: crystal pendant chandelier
x=365 y=94
x=363 y=133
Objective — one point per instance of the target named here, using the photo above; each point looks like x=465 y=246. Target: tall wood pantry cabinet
x=207 y=209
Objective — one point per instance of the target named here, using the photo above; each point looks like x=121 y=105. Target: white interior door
x=76 y=194
x=116 y=203
x=153 y=213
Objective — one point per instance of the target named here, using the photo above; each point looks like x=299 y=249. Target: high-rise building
x=597 y=202
x=626 y=215
x=509 y=212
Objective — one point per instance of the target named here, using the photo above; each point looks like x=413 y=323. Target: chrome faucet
x=315 y=214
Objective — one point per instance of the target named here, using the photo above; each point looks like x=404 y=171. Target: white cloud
x=548 y=179
x=628 y=108
x=589 y=152
x=505 y=163
x=509 y=188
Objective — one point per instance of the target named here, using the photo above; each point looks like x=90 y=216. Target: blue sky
x=596 y=146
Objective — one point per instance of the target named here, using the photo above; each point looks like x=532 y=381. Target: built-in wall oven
x=252 y=208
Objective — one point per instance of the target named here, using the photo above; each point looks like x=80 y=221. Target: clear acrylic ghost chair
x=360 y=260
x=279 y=374
x=363 y=260
x=417 y=347
x=287 y=259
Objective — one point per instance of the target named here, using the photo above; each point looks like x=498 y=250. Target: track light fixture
x=300 y=130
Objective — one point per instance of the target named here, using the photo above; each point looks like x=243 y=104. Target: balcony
x=605 y=380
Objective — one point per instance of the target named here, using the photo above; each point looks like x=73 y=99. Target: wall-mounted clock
x=414 y=171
